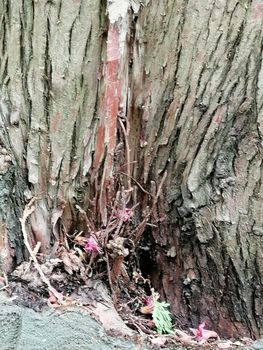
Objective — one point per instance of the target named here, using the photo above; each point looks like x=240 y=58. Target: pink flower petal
x=92 y=246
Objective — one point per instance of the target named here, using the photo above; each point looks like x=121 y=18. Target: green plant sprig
x=161 y=315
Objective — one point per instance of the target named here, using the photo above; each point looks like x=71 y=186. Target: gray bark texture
x=188 y=79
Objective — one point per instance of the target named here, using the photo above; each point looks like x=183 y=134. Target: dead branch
x=127 y=147
x=6 y=282
x=29 y=209
x=141 y=227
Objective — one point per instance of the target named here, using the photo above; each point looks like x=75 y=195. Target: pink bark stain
x=112 y=96
x=55 y=121
x=257 y=10
x=219 y=115
x=110 y=103
x=200 y=57
x=106 y=132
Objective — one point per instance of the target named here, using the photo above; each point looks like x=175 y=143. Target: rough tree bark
x=188 y=76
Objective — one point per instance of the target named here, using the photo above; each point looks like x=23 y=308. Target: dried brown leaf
x=160 y=341
x=146 y=310
x=184 y=337
x=225 y=345
x=72 y=262
x=246 y=340
x=210 y=334
x=206 y=334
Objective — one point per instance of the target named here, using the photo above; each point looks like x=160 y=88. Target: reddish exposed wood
x=106 y=133
x=100 y=147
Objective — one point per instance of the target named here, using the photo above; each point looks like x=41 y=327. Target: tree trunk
x=169 y=93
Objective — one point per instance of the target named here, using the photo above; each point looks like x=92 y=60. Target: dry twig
x=137 y=182
x=127 y=147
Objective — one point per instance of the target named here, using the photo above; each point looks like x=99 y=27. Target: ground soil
x=69 y=328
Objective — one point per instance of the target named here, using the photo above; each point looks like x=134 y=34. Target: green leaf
x=161 y=316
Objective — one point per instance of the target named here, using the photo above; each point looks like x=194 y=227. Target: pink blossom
x=200 y=330
x=149 y=301
x=202 y=334
x=92 y=246
x=124 y=214
x=148 y=307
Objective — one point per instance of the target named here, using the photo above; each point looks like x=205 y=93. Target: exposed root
x=127 y=147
